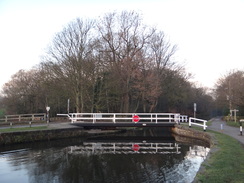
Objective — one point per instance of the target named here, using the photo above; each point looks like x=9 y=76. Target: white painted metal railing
x=183 y=118
x=123 y=117
x=198 y=122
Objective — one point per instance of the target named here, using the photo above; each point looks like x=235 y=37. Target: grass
x=225 y=165
x=234 y=124
x=23 y=129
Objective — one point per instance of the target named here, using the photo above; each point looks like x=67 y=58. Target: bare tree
x=124 y=36
x=22 y=94
x=230 y=89
x=161 y=51
x=69 y=58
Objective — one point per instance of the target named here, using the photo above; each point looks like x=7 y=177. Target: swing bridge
x=93 y=120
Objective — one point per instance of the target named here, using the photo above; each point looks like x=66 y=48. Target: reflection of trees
x=120 y=168
x=149 y=132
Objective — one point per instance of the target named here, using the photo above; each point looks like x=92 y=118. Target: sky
x=209 y=33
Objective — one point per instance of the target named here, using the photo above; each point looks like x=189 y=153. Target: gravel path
x=231 y=131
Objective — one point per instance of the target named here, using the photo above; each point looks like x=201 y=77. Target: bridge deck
x=125 y=124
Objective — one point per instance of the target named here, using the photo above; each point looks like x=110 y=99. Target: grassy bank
x=234 y=124
x=22 y=129
x=225 y=165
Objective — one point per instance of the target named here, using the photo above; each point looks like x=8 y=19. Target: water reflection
x=106 y=159
x=187 y=169
x=125 y=148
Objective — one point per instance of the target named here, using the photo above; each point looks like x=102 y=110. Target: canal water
x=146 y=155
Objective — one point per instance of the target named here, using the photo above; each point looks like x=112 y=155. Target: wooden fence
x=24 y=117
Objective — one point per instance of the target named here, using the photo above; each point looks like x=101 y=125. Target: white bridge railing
x=198 y=122
x=183 y=118
x=125 y=117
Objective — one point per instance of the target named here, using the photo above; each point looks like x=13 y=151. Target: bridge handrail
x=122 y=113
x=200 y=120
x=183 y=118
x=171 y=117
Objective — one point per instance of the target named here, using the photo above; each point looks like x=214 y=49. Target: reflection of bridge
x=125 y=119
x=125 y=148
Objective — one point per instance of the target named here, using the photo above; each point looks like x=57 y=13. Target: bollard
x=189 y=122
x=241 y=129
x=242 y=120
x=30 y=124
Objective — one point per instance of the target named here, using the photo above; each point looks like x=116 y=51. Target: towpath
x=231 y=131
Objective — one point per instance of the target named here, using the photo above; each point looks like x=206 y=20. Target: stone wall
x=42 y=135
x=192 y=134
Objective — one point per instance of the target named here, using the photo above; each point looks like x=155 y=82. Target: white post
x=68 y=106
x=189 y=122
x=48 y=117
x=195 y=109
x=177 y=116
x=241 y=129
x=114 y=118
x=235 y=114
x=156 y=118
x=234 y=110
x=72 y=118
x=204 y=125
x=94 y=116
x=241 y=121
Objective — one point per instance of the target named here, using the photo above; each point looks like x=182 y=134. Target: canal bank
x=54 y=131
x=182 y=131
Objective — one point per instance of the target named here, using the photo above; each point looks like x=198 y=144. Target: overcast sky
x=209 y=33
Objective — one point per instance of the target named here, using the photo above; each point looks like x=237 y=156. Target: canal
x=138 y=155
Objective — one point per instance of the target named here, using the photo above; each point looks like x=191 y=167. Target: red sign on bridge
x=136 y=118
x=135 y=147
